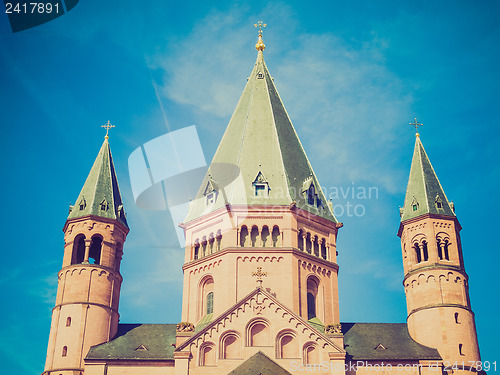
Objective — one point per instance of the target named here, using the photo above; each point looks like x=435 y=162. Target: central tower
x=260 y=214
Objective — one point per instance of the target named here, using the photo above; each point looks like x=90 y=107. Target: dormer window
x=210 y=192
x=438 y=202
x=311 y=195
x=104 y=205
x=414 y=204
x=210 y=198
x=260 y=75
x=82 y=204
x=261 y=186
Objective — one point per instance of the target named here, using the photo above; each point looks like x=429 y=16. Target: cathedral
x=260 y=286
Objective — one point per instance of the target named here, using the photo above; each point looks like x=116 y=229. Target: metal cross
x=260 y=25
x=107 y=126
x=416 y=124
x=259 y=275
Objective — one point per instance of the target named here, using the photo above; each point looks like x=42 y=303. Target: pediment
x=260 y=305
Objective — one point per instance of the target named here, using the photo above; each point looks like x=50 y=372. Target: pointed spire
x=100 y=195
x=424 y=194
x=261 y=141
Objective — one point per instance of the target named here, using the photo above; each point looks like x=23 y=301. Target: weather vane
x=107 y=126
x=416 y=124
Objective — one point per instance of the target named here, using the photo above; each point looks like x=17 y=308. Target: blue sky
x=352 y=76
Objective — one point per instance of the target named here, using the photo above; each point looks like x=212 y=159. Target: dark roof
x=364 y=341
x=259 y=363
x=424 y=189
x=139 y=342
x=100 y=190
x=260 y=140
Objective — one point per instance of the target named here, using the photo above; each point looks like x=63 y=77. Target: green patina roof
x=138 y=341
x=261 y=364
x=261 y=141
x=424 y=189
x=366 y=341
x=100 y=189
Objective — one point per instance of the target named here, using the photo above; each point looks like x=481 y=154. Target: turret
x=435 y=282
x=88 y=292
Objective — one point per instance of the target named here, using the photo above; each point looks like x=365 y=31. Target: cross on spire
x=416 y=124
x=260 y=25
x=107 y=126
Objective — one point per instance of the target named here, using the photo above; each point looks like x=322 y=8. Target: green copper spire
x=100 y=195
x=424 y=194
x=261 y=141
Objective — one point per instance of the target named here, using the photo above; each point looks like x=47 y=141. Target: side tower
x=88 y=292
x=435 y=282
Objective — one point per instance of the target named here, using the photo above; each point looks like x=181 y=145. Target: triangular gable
x=261 y=364
x=259 y=303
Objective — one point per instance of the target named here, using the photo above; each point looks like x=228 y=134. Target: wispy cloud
x=344 y=102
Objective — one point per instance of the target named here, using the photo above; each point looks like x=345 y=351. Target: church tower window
x=418 y=256
x=78 y=249
x=264 y=235
x=95 y=250
x=104 y=205
x=210 y=303
x=323 y=249
x=254 y=235
x=312 y=294
x=275 y=235
x=68 y=321
x=460 y=349
x=64 y=351
x=243 y=236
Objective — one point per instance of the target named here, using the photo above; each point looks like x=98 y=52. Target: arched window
x=316 y=246
x=286 y=345
x=460 y=349
x=264 y=235
x=95 y=250
x=210 y=303
x=230 y=347
x=424 y=249
x=64 y=351
x=211 y=241
x=312 y=294
x=275 y=235
x=204 y=246
x=308 y=243
x=300 y=240
x=243 y=236
x=446 y=245
x=456 y=318
x=78 y=249
x=68 y=321
x=254 y=235
x=323 y=249
x=258 y=333
x=196 y=249
x=418 y=256
x=310 y=353
x=207 y=354
x=219 y=239
x=206 y=296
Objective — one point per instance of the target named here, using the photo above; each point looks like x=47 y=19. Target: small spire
x=260 y=46
x=416 y=124
x=107 y=126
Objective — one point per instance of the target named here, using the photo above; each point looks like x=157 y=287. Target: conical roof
x=260 y=160
x=424 y=194
x=100 y=195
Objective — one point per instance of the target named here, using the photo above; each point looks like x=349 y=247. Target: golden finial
x=107 y=126
x=416 y=124
x=260 y=46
